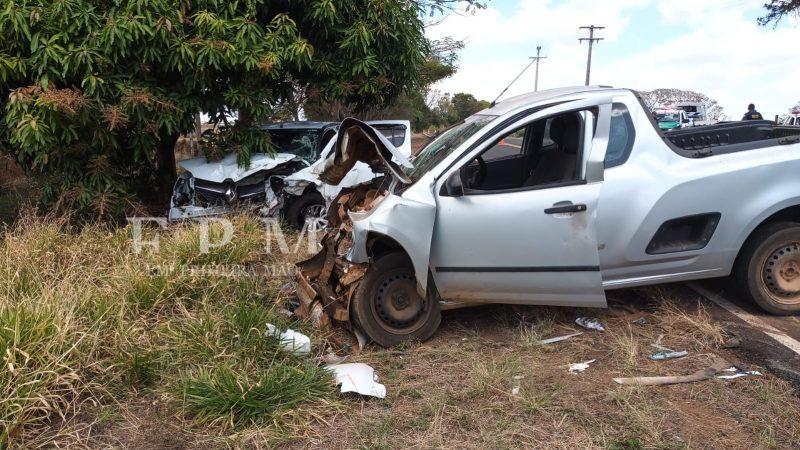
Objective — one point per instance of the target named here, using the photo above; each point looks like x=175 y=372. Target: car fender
x=409 y=221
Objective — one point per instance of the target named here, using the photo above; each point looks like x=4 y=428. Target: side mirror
x=453 y=186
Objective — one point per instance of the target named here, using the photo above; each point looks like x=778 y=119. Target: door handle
x=570 y=208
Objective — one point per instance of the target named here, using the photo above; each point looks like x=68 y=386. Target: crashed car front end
x=214 y=188
x=357 y=217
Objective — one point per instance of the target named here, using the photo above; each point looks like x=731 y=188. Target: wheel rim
x=781 y=274
x=398 y=307
x=314 y=216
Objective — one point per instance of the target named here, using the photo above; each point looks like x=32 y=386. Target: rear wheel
x=309 y=206
x=769 y=268
x=388 y=308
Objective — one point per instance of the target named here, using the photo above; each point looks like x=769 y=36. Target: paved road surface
x=756 y=345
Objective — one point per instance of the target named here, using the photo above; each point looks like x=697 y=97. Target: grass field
x=87 y=326
x=103 y=347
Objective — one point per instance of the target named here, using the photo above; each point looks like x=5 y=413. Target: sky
x=709 y=46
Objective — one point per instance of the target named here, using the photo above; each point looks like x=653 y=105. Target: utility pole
x=591 y=40
x=537 y=58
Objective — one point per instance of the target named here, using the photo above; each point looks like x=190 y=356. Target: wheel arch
x=779 y=213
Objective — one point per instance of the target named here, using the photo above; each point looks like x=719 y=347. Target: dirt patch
x=457 y=390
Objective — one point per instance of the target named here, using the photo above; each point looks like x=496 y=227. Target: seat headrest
x=564 y=131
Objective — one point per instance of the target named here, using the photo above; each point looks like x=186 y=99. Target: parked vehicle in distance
x=695 y=111
x=670 y=118
x=793 y=118
x=595 y=197
x=209 y=188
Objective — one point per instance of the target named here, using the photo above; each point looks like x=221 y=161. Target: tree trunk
x=167 y=170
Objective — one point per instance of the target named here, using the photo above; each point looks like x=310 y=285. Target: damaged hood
x=227 y=167
x=359 y=142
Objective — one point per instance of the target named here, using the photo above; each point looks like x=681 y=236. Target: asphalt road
x=753 y=328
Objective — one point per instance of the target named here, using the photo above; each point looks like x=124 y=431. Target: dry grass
x=456 y=390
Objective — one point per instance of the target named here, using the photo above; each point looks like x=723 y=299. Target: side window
x=506 y=147
x=396 y=134
x=541 y=153
x=621 y=136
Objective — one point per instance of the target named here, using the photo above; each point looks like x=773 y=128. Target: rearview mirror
x=453 y=187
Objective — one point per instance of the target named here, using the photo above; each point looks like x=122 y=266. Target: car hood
x=228 y=168
x=359 y=142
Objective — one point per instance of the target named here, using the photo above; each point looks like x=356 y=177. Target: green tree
x=96 y=92
x=465 y=105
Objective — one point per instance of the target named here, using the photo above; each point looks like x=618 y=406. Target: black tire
x=386 y=306
x=768 y=268
x=298 y=207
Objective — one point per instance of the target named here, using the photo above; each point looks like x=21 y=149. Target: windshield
x=300 y=142
x=443 y=145
x=669 y=117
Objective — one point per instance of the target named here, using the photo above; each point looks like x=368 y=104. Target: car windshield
x=443 y=145
x=300 y=142
x=668 y=117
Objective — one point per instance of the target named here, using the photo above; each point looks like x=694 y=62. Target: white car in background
x=282 y=184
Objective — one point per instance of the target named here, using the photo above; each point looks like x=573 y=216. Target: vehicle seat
x=558 y=164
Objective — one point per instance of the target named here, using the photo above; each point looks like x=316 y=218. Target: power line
x=537 y=58
x=591 y=40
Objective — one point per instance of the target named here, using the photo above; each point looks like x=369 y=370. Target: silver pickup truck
x=553 y=198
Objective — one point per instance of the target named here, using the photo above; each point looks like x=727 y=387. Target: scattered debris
x=738 y=372
x=291 y=341
x=332 y=358
x=515 y=389
x=733 y=342
x=580 y=367
x=590 y=323
x=357 y=377
x=664 y=355
x=560 y=338
x=704 y=374
x=640 y=321
x=658 y=345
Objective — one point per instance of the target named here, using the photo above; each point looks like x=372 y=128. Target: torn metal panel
x=358 y=142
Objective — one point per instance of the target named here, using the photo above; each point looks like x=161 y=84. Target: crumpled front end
x=258 y=190
x=328 y=280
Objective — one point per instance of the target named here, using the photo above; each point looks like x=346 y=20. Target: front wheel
x=388 y=308
x=308 y=207
x=768 y=270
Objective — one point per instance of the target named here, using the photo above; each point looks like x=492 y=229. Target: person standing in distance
x=752 y=114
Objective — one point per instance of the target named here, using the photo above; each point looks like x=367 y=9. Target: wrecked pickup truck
x=552 y=198
x=209 y=188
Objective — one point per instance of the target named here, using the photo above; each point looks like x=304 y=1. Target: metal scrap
x=590 y=323
x=327 y=281
x=664 y=355
x=575 y=368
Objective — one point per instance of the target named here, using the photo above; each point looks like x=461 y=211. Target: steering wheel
x=479 y=176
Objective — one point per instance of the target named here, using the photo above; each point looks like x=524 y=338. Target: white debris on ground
x=664 y=355
x=357 y=377
x=590 y=323
x=580 y=367
x=735 y=373
x=559 y=338
x=291 y=341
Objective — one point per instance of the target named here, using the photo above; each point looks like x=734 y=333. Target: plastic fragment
x=357 y=377
x=738 y=372
x=663 y=355
x=580 y=367
x=590 y=323
x=559 y=338
x=291 y=341
x=640 y=321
